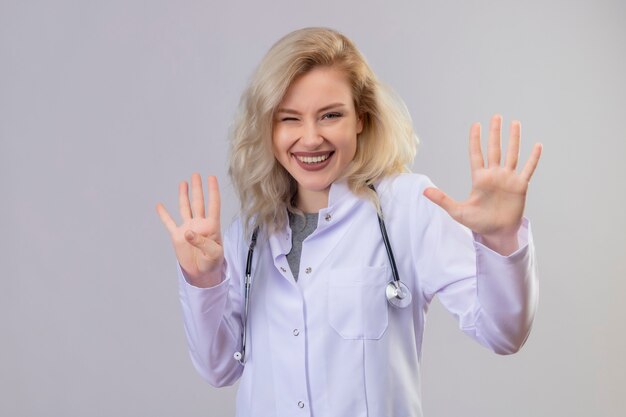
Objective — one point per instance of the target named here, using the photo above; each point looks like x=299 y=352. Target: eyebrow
x=323 y=109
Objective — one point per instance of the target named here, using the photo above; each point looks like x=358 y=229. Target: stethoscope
x=398 y=294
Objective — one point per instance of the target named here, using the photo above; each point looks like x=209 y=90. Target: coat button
x=300 y=404
x=308 y=270
x=328 y=217
x=296 y=332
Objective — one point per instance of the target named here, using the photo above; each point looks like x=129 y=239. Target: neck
x=312 y=201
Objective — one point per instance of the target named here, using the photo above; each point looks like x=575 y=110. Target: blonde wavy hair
x=387 y=144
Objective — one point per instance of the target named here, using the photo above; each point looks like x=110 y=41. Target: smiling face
x=315 y=133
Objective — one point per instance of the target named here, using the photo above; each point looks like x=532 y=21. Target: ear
x=359 y=123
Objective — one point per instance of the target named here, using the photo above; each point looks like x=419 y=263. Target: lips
x=313 y=161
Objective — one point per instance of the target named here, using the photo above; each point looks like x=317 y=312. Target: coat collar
x=341 y=201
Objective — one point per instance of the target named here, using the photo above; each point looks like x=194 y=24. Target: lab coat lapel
x=333 y=224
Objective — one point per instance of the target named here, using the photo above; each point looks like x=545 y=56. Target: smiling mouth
x=313 y=159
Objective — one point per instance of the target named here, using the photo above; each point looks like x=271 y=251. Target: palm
x=193 y=260
x=197 y=240
x=496 y=202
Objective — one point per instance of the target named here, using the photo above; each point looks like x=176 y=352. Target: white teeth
x=313 y=159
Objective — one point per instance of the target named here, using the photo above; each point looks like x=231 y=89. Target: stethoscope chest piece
x=398 y=294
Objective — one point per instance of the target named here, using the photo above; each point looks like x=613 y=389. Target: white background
x=106 y=105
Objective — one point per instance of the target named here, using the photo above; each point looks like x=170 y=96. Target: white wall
x=105 y=106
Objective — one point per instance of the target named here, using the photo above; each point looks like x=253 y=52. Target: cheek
x=276 y=141
x=279 y=139
x=280 y=147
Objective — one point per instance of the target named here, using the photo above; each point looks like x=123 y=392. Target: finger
x=197 y=196
x=214 y=201
x=166 y=219
x=532 y=162
x=476 y=154
x=512 y=153
x=442 y=200
x=197 y=240
x=183 y=201
x=493 y=146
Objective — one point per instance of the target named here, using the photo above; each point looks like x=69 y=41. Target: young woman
x=344 y=248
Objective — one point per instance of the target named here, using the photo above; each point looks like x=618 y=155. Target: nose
x=311 y=136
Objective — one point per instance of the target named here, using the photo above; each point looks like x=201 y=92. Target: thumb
x=196 y=240
x=442 y=200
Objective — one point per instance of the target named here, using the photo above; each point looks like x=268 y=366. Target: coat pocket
x=357 y=305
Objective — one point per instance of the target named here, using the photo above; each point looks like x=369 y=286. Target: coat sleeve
x=493 y=297
x=212 y=317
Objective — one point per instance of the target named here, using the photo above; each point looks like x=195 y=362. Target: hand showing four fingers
x=197 y=240
x=496 y=202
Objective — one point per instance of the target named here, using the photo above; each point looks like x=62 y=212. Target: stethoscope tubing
x=383 y=232
x=240 y=356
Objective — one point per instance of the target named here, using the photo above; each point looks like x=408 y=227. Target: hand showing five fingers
x=197 y=240
x=495 y=206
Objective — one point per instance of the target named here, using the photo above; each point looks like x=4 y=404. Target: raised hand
x=198 y=240
x=495 y=206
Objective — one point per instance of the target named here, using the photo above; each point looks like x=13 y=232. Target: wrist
x=204 y=280
x=502 y=243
